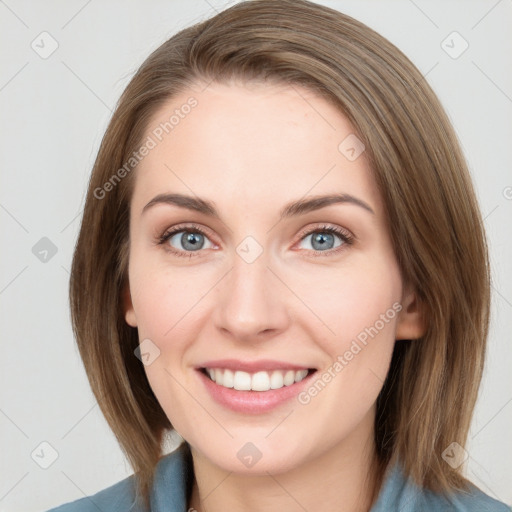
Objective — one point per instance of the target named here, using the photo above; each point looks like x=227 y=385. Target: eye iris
x=320 y=239
x=192 y=238
x=194 y=241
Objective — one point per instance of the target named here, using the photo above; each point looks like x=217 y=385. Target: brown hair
x=436 y=228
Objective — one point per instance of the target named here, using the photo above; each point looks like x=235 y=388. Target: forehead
x=255 y=142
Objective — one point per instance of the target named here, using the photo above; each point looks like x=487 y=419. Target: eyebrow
x=293 y=209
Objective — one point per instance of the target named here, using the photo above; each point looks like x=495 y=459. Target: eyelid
x=346 y=236
x=187 y=226
x=341 y=232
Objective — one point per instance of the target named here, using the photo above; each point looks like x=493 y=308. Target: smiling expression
x=258 y=253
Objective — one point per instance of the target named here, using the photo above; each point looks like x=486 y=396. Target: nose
x=251 y=302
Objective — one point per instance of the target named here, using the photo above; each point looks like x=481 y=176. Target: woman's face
x=259 y=285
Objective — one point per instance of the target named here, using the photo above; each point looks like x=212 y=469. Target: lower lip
x=252 y=402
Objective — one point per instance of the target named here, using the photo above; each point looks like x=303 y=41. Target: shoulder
x=473 y=500
x=120 y=496
x=400 y=493
x=172 y=480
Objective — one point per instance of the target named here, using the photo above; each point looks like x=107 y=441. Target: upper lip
x=252 y=366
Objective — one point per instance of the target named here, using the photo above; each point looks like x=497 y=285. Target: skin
x=251 y=149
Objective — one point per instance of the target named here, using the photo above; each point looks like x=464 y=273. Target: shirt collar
x=173 y=480
x=174 y=477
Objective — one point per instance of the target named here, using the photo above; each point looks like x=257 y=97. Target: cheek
x=166 y=307
x=359 y=308
x=351 y=299
x=161 y=299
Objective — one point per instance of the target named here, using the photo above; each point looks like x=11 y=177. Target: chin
x=254 y=455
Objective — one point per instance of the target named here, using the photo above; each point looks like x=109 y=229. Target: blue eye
x=324 y=240
x=192 y=239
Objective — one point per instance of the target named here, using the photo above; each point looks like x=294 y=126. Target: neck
x=344 y=478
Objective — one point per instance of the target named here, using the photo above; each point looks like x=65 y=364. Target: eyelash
x=345 y=236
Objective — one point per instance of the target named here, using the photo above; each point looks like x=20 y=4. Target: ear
x=129 y=312
x=411 y=321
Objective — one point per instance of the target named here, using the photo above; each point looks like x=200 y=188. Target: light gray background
x=53 y=114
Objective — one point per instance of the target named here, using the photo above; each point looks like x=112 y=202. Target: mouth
x=253 y=387
x=263 y=380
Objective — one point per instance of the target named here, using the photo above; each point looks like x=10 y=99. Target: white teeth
x=276 y=380
x=300 y=375
x=219 y=374
x=259 y=381
x=241 y=381
x=228 y=380
x=289 y=378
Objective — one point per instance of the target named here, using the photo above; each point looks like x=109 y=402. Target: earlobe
x=411 y=322
x=129 y=312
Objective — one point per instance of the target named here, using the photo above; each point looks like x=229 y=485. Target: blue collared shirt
x=174 y=474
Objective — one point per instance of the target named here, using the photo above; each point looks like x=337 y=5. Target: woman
x=282 y=258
